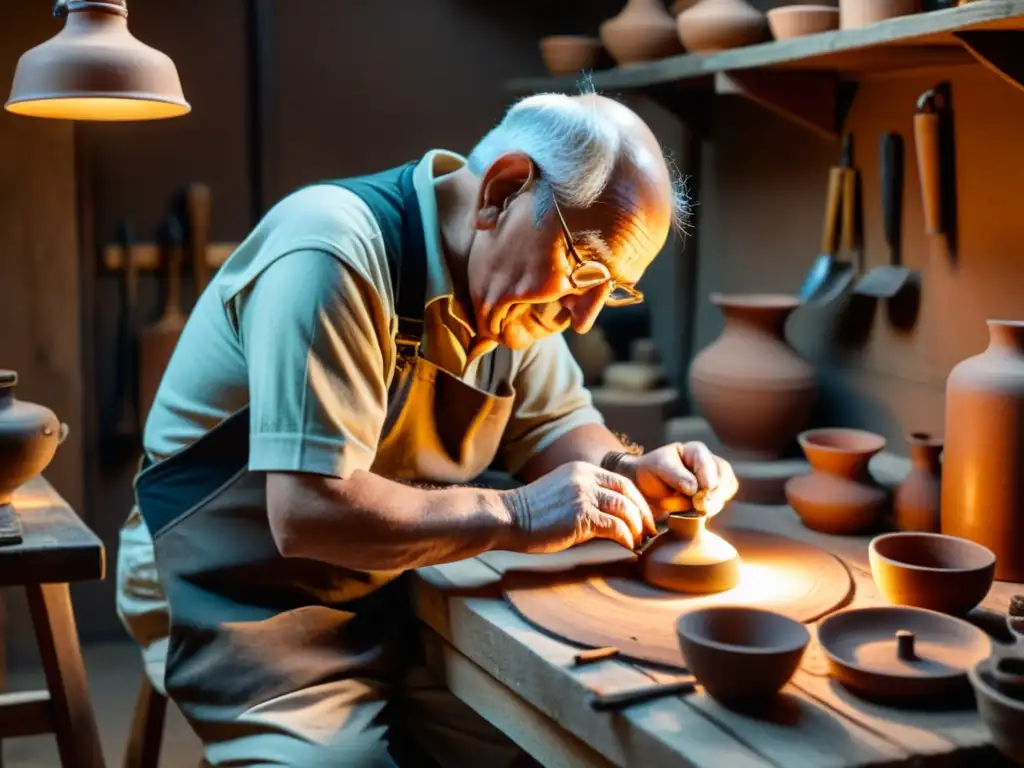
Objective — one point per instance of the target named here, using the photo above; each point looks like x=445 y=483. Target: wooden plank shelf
x=812 y=79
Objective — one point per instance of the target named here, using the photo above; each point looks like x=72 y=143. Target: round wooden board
x=613 y=607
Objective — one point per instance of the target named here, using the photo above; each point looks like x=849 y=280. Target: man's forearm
x=369 y=523
x=590 y=442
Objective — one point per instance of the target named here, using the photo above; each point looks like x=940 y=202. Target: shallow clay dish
x=931 y=570
x=741 y=654
x=568 y=54
x=1002 y=713
x=897 y=652
x=788 y=21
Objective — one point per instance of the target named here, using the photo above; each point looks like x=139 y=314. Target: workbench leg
x=147 y=728
x=78 y=739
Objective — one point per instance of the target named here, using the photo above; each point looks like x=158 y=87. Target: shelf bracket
x=1001 y=50
x=818 y=101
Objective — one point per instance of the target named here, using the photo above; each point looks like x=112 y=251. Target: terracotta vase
x=983 y=461
x=690 y=558
x=716 y=25
x=916 y=503
x=754 y=390
x=29 y=436
x=839 y=496
x=568 y=54
x=642 y=31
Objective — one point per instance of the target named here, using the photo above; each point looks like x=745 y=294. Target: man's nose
x=584 y=307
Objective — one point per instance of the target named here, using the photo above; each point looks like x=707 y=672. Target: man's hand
x=680 y=475
x=573 y=504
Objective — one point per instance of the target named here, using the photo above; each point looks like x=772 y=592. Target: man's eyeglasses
x=588 y=273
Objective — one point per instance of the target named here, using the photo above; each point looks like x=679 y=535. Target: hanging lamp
x=95 y=69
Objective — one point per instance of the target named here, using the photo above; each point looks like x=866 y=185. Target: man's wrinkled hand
x=681 y=476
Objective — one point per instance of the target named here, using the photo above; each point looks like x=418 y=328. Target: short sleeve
x=313 y=334
x=550 y=401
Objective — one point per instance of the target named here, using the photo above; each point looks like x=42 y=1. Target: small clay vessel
x=901 y=653
x=929 y=570
x=568 y=54
x=916 y=504
x=642 y=31
x=1015 y=617
x=839 y=496
x=983 y=461
x=717 y=25
x=753 y=388
x=1001 y=710
x=29 y=436
x=741 y=654
x=690 y=558
x=788 y=21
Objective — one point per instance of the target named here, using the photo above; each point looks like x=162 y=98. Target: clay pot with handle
x=29 y=436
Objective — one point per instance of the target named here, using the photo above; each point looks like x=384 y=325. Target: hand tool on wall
x=125 y=425
x=825 y=266
x=157 y=341
x=936 y=160
x=844 y=270
x=887 y=281
x=198 y=206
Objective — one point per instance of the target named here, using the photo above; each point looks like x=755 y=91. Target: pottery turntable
x=600 y=595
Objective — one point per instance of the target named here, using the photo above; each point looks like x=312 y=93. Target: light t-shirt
x=298 y=324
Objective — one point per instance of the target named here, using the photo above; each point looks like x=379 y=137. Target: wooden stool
x=58 y=547
x=147 y=727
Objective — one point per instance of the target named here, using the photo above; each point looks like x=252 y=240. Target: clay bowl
x=1003 y=714
x=931 y=570
x=568 y=54
x=741 y=654
x=798 y=20
x=899 y=653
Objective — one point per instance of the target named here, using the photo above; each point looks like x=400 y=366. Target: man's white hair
x=575 y=146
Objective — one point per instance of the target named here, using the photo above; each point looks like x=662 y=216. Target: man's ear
x=510 y=175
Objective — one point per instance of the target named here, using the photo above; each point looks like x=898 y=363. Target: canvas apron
x=248 y=626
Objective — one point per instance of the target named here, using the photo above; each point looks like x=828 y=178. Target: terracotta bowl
x=931 y=570
x=1002 y=714
x=568 y=54
x=798 y=20
x=741 y=654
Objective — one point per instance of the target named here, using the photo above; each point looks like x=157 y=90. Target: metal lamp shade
x=94 y=69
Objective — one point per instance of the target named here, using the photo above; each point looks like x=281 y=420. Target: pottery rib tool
x=157 y=342
x=604 y=702
x=887 y=281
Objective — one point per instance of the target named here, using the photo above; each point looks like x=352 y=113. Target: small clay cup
x=840 y=496
x=568 y=54
x=739 y=654
x=789 y=21
x=1002 y=713
x=931 y=570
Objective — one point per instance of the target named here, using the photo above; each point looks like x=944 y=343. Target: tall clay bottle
x=917 y=499
x=983 y=462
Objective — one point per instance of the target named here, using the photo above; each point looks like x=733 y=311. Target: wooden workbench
x=522 y=680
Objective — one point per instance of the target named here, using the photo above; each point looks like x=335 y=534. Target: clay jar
x=716 y=25
x=839 y=496
x=983 y=462
x=917 y=499
x=568 y=54
x=642 y=31
x=29 y=436
x=690 y=558
x=754 y=390
x=741 y=654
x=929 y=570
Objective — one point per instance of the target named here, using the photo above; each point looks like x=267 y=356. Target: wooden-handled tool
x=125 y=425
x=157 y=341
x=928 y=141
x=604 y=702
x=826 y=270
x=198 y=204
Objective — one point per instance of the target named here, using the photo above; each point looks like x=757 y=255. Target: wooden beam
x=809 y=99
x=1001 y=51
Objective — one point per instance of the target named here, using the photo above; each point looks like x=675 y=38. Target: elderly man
x=369 y=350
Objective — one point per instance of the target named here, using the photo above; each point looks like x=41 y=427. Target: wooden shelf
x=808 y=78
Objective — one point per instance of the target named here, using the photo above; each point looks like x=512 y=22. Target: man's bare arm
x=590 y=442
x=369 y=523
